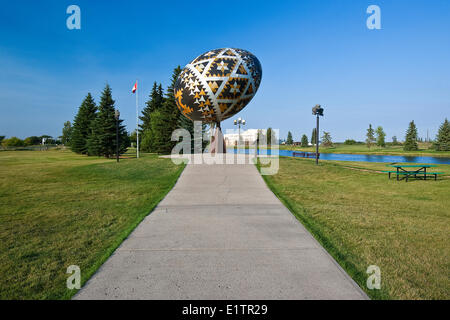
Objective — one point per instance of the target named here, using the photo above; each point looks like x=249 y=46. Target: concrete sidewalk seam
x=222 y=249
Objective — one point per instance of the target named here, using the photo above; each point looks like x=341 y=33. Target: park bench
x=304 y=154
x=418 y=172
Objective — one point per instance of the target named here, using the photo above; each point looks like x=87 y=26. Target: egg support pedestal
x=217 y=144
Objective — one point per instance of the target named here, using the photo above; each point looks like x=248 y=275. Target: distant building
x=247 y=137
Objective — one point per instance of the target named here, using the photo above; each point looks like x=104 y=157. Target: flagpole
x=137 y=121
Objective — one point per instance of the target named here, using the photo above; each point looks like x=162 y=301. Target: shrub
x=32 y=141
x=350 y=142
x=13 y=142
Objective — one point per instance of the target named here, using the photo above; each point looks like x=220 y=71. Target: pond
x=362 y=157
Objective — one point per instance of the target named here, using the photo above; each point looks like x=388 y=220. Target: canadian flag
x=134 y=88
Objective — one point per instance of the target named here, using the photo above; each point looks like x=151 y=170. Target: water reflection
x=358 y=157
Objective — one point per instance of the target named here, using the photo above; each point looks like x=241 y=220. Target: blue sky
x=311 y=52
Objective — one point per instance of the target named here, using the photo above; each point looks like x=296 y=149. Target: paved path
x=220 y=234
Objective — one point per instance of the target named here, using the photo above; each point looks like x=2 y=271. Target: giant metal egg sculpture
x=218 y=84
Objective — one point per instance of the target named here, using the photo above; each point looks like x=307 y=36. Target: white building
x=232 y=136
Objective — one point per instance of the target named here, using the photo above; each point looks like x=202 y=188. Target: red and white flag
x=134 y=87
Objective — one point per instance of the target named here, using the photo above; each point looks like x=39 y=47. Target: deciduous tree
x=66 y=133
x=370 y=136
x=13 y=142
x=380 y=137
x=326 y=139
x=32 y=141
x=394 y=141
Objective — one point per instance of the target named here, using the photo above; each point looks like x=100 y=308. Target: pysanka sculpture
x=217 y=85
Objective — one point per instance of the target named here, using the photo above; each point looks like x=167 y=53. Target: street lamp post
x=238 y=122
x=117 y=115
x=317 y=111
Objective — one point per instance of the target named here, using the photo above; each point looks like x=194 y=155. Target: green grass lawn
x=364 y=219
x=362 y=149
x=59 y=209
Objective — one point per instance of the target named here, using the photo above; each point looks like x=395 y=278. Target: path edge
x=347 y=268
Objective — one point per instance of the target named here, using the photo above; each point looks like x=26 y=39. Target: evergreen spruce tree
x=370 y=136
x=411 y=138
x=102 y=142
x=289 y=140
x=160 y=96
x=81 y=129
x=443 y=137
x=155 y=101
x=314 y=136
x=166 y=119
x=148 y=109
x=304 y=141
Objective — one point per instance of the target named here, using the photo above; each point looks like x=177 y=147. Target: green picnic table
x=419 y=171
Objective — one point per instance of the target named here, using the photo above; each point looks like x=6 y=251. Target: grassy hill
x=60 y=209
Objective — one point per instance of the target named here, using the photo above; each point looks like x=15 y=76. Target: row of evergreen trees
x=304 y=140
x=377 y=136
x=441 y=143
x=161 y=117
x=94 y=128
x=380 y=138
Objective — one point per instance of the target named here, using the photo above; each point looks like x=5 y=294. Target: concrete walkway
x=220 y=234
